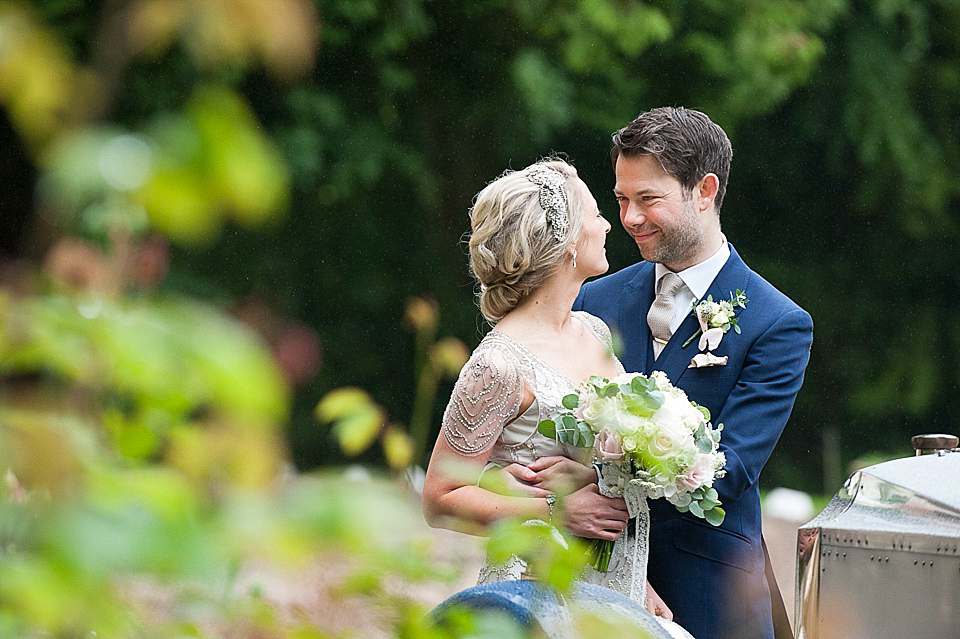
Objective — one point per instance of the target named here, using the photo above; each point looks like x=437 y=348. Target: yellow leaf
x=359 y=429
x=397 y=447
x=422 y=314
x=449 y=355
x=341 y=402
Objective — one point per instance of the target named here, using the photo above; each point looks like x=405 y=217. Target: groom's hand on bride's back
x=587 y=513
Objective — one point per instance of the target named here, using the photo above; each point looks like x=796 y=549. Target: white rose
x=630 y=442
x=601 y=413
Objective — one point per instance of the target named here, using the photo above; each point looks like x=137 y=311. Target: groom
x=671 y=169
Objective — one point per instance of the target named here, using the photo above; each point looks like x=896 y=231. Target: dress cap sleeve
x=486 y=397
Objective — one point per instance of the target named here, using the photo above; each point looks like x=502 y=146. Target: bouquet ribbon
x=616 y=482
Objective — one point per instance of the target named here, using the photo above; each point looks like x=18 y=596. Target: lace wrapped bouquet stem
x=649 y=441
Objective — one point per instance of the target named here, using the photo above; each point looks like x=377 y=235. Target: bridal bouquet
x=646 y=435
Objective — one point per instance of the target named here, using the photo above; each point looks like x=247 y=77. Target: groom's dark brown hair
x=686 y=143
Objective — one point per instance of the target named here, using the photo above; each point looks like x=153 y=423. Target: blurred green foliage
x=841 y=114
x=146 y=484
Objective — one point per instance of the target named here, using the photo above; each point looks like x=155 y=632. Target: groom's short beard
x=680 y=243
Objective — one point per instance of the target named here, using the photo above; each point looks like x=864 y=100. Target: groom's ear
x=707 y=191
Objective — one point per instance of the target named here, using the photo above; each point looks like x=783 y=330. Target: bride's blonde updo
x=514 y=248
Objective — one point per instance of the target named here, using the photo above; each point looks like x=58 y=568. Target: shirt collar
x=699 y=277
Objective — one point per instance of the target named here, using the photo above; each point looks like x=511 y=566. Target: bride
x=537 y=235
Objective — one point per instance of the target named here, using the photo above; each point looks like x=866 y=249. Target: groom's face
x=658 y=215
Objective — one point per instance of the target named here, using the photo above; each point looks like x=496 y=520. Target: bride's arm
x=489 y=394
x=452 y=500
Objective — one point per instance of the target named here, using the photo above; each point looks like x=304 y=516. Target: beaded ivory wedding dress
x=487 y=395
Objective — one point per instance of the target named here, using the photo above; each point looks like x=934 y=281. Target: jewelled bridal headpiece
x=553 y=200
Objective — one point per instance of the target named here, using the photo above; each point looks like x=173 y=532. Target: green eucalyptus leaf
x=638 y=405
x=547 y=428
x=704 y=444
x=566 y=427
x=609 y=390
x=696 y=509
x=714 y=516
x=586 y=435
x=571 y=401
x=656 y=399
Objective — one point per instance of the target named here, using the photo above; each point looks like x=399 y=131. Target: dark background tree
x=842 y=115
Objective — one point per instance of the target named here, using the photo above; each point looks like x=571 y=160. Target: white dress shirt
x=696 y=279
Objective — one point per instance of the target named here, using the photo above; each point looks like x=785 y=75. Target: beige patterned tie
x=662 y=310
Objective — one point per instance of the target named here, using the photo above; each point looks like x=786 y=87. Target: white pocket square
x=702 y=360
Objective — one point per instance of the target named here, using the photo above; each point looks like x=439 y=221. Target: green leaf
x=341 y=402
x=712 y=493
x=571 y=401
x=547 y=428
x=704 y=444
x=358 y=430
x=696 y=509
x=609 y=390
x=566 y=428
x=714 y=516
x=643 y=385
x=638 y=406
x=586 y=435
x=706 y=503
x=656 y=399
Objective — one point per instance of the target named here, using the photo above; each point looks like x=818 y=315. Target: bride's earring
x=574 y=258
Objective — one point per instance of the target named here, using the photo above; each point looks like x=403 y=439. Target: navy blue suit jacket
x=713 y=578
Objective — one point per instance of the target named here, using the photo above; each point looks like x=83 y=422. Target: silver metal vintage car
x=883 y=558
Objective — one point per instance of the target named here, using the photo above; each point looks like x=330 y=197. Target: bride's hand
x=520 y=480
x=561 y=475
x=586 y=513
x=656 y=606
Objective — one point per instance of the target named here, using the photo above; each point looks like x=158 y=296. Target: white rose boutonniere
x=716 y=318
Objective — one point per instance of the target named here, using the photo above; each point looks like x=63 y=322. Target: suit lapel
x=634 y=316
x=674 y=360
